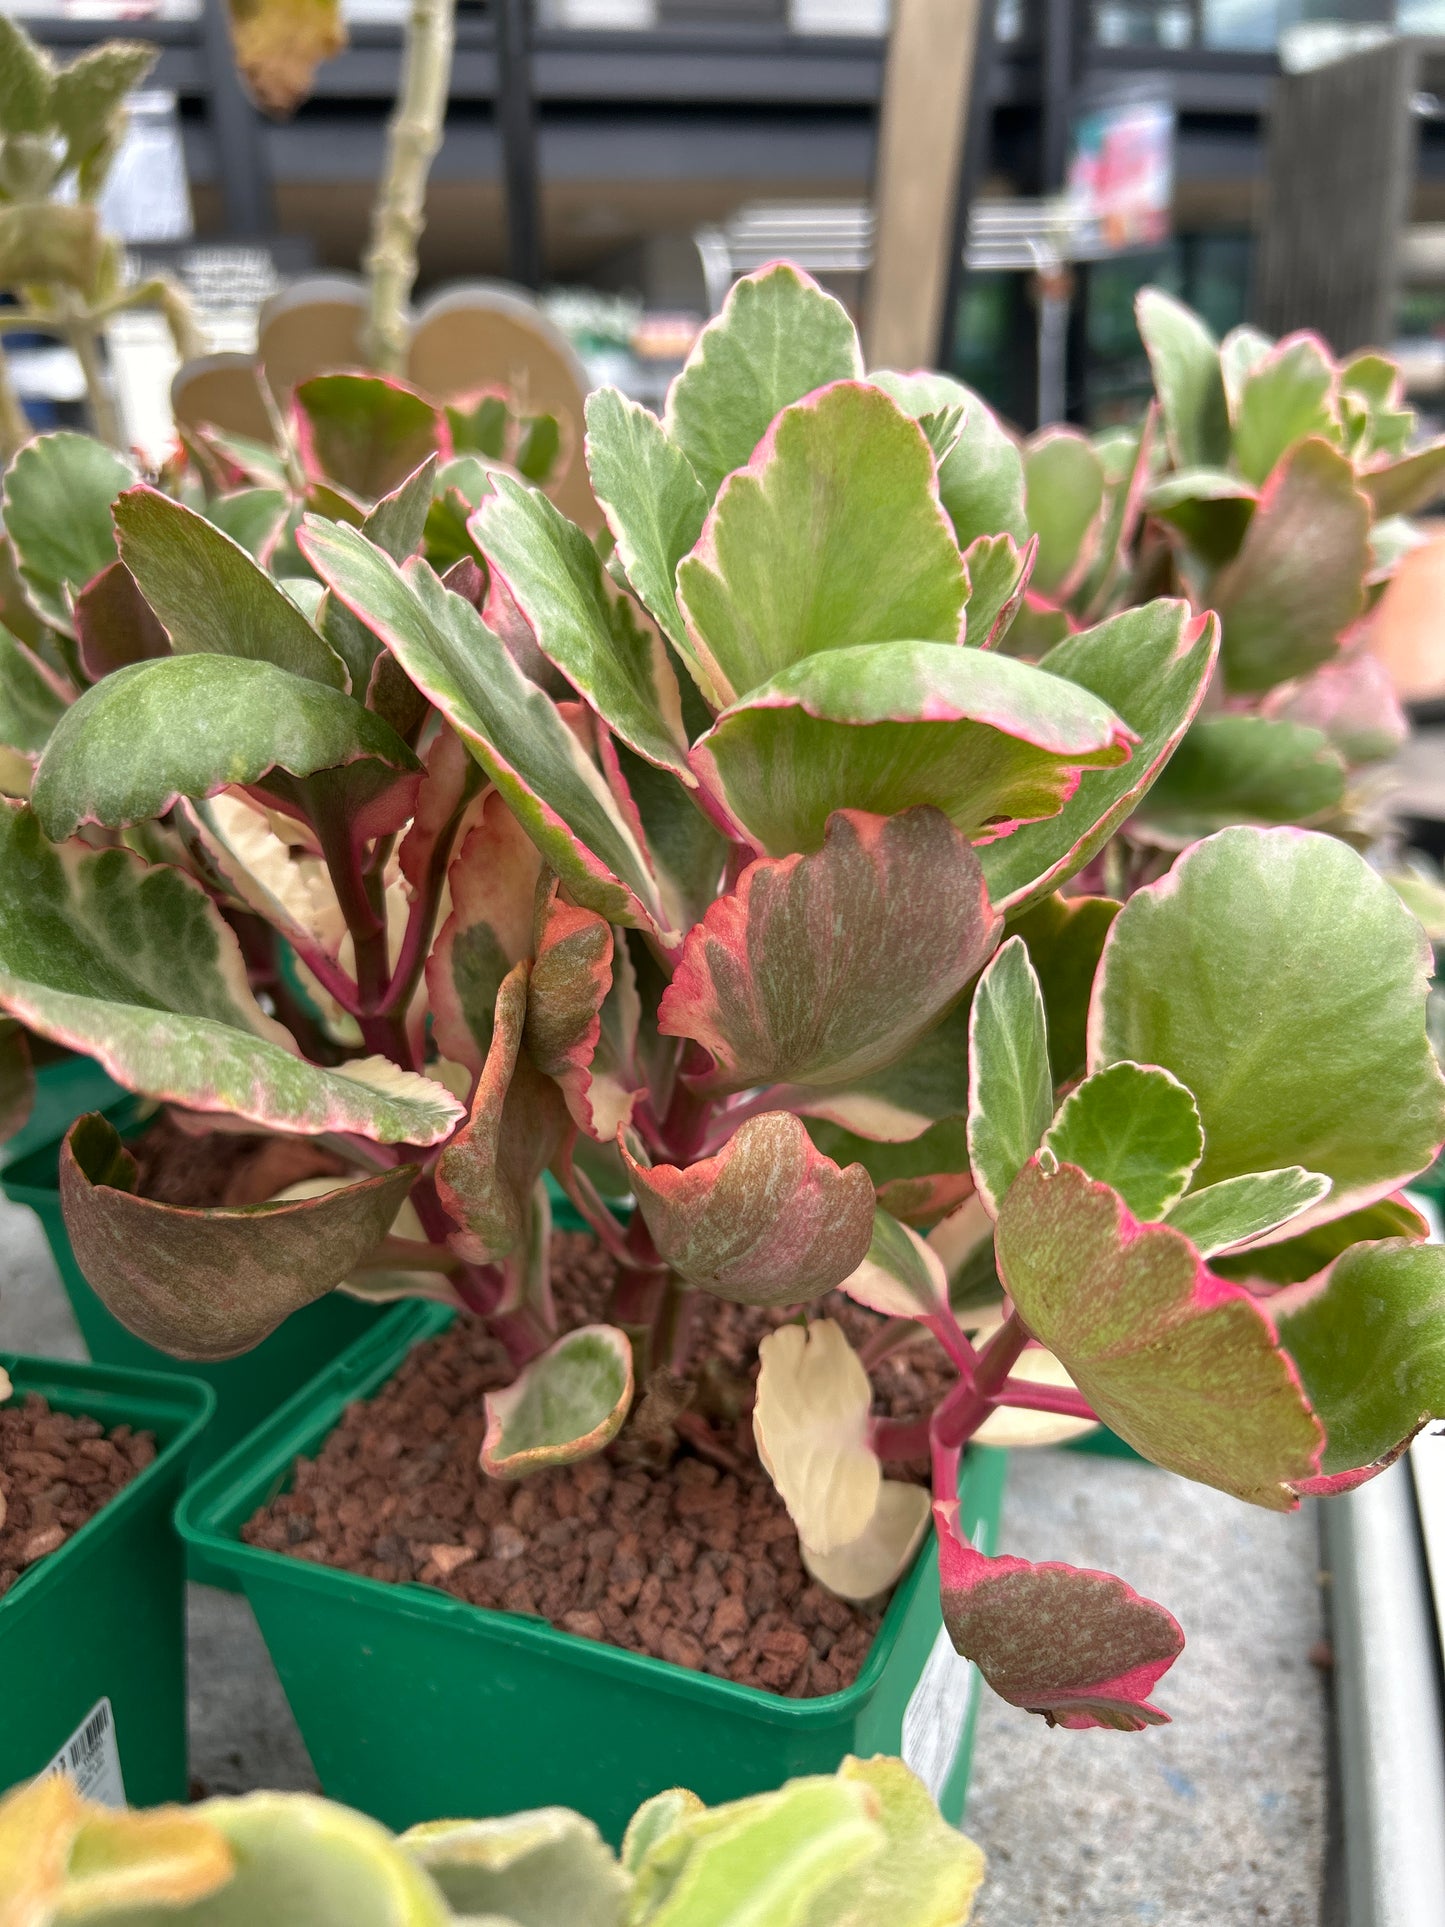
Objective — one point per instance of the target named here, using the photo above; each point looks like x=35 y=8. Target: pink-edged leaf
x=833 y=535
x=1064 y=491
x=565 y=1406
x=918 y=1180
x=1182 y=1364
x=17 y=1080
x=1406 y=486
x=366 y=432
x=115 y=625
x=209 y=1284
x=768 y=1221
x=485 y=1175
x=998 y=580
x=900 y=1275
x=448 y=790
x=1352 y=699
x=571 y=978
x=493 y=885
x=820 y=969
x=1081 y=1648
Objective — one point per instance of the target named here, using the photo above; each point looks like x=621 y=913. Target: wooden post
x=921 y=144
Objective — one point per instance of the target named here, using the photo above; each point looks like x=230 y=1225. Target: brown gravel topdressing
x=649 y=1546
x=56 y=1472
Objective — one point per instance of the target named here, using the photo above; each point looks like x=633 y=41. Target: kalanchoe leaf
x=212 y=598
x=1243 y=769
x=880 y=1555
x=1287 y=395
x=888 y=726
x=1134 y=1127
x=485 y=1175
x=193 y=725
x=210 y=1284
x=571 y=977
x=254 y=517
x=115 y=625
x=811 y=1425
x=927 y=1874
x=1291 y=1260
x=30 y=701
x=510 y=726
x=1065 y=489
x=1407 y=486
x=685 y=849
x=767 y=1221
x=1299 y=578
x=1152 y=666
x=1352 y=699
x=1240 y=353
x=564 y=1406
x=397 y=525
x=981 y=476
x=555 y=578
x=917 y=1181
x=927 y=1085
x=998 y=577
x=1368 y=1337
x=1230 y=1213
x=1065 y=937
x=1128 y=462
x=1010 y=1085
x=1210 y=507
x=820 y=969
x=1180 y=1363
x=1185 y=361
x=654 y=503
x=900 y=1275
x=1271 y=940
x=27 y=82
x=132 y=965
x=57 y=497
x=1081 y=1648
x=366 y=433
x=493 y=886
x=550 y=1864
x=17 y=1080
x=779 y=337
x=833 y=535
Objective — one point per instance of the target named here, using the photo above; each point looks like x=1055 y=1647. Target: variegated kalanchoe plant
x=727 y=873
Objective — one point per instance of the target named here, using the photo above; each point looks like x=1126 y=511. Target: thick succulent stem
x=413 y=138
x=83 y=338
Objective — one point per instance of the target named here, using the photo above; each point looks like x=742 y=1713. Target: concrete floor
x=1218 y=1820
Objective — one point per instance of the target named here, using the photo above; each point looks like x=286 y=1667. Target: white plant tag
x=91 y=1757
x=934 y=1718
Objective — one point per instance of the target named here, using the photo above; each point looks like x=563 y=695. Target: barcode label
x=934 y=1719
x=91 y=1757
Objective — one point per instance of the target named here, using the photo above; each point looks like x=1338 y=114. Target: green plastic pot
x=93 y=1636
x=414 y=1705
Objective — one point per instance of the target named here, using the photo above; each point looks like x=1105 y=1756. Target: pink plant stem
x=893 y=1438
x=945 y=1329
x=420 y=923
x=971 y=1400
x=889 y=1337
x=1045 y=1398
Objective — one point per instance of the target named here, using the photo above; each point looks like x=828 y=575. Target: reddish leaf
x=571 y=978
x=115 y=625
x=1353 y=700
x=493 y=883
x=366 y=432
x=452 y=779
x=1081 y=1648
x=768 y=1221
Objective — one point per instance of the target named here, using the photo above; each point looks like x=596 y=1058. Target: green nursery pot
x=93 y=1636
x=414 y=1705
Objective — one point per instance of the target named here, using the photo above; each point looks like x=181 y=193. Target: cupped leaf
x=981 y=474
x=1151 y=666
x=193 y=725
x=366 y=433
x=513 y=729
x=57 y=496
x=210 y=1284
x=564 y=1406
x=811 y=1425
x=1081 y=1648
x=1298 y=581
x=767 y=1221
x=492 y=882
x=30 y=703
x=131 y=964
x=868 y=1565
x=1135 y=1128
x=832 y=536
x=1287 y=395
x=1230 y=1213
x=1244 y=769
x=1010 y=1085
x=1369 y=1340
x=1271 y=941
x=928 y=1872
x=529 y=1868
x=115 y=625
x=1211 y=508
x=899 y=1275
x=556 y=580
x=1065 y=939
x=821 y=969
x=1065 y=488
x=779 y=337
x=212 y=598
x=1185 y=360
x=1180 y=1363
x=887 y=726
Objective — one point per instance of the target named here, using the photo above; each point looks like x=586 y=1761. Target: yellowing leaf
x=811 y=1425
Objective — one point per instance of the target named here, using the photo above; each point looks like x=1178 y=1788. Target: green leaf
x=779 y=337
x=1299 y=579
x=928 y=1872
x=823 y=968
x=1287 y=395
x=1185 y=361
x=1135 y=1128
x=1369 y=1341
x=564 y=1406
x=899 y=1275
x=532 y=1869
x=1151 y=666
x=512 y=728
x=925 y=1086
x=1010 y=1086
x=917 y=1181
x=252 y=517
x=1291 y=1260
x=1406 y=486
x=1182 y=1365
x=212 y=598
x=768 y=1221
x=886 y=726
x=1065 y=938
x=133 y=965
x=27 y=80
x=366 y=433
x=1244 y=769
x=981 y=477
x=684 y=847
x=998 y=576
x=193 y=725
x=1240 y=353
x=30 y=704
x=1209 y=507
x=654 y=504
x=1295 y=1010
x=1235 y=1210
x=1065 y=489
x=832 y=536
x=210 y=1284
x=91 y=91
x=58 y=492
x=556 y=580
